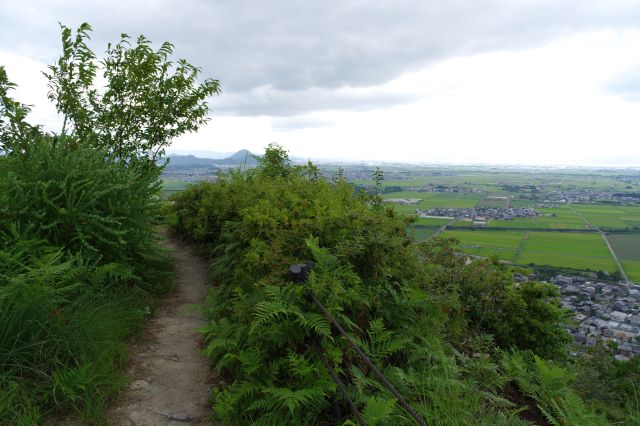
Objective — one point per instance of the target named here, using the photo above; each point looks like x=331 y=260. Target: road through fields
x=615 y=257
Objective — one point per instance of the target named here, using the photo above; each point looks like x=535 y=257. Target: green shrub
x=77 y=199
x=611 y=387
x=79 y=255
x=481 y=297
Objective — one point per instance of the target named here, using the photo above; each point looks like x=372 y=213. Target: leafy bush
x=611 y=387
x=13 y=126
x=146 y=99
x=483 y=298
x=76 y=198
x=79 y=256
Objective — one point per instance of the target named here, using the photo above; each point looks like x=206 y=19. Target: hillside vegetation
x=80 y=263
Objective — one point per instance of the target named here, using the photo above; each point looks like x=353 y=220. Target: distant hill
x=242 y=157
x=199 y=153
x=190 y=162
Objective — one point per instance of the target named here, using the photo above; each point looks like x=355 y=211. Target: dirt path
x=169 y=376
x=587 y=224
x=525 y=237
x=439 y=230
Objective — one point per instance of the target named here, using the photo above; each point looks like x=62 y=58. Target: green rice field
x=559 y=249
x=632 y=268
x=492 y=202
x=567 y=249
x=535 y=223
x=626 y=246
x=421 y=233
x=429 y=200
x=610 y=217
x=551 y=239
x=173 y=185
x=431 y=222
x=503 y=244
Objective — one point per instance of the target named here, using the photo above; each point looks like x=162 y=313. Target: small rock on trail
x=170 y=377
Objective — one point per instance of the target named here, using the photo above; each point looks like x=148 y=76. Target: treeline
x=80 y=263
x=459 y=340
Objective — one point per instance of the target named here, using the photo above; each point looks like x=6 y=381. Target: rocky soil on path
x=169 y=376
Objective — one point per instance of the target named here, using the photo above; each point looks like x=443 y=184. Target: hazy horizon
x=219 y=155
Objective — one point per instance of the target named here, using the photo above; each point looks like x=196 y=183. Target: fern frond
x=294 y=400
x=378 y=410
x=316 y=323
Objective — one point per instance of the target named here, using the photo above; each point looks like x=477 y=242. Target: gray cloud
x=311 y=47
x=282 y=103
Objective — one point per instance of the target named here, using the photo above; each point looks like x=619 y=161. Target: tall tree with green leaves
x=147 y=99
x=14 y=129
x=275 y=162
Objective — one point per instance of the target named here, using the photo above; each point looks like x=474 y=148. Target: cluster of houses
x=609 y=312
x=403 y=201
x=590 y=196
x=189 y=175
x=480 y=216
x=443 y=188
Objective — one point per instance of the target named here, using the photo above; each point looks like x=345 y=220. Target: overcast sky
x=519 y=81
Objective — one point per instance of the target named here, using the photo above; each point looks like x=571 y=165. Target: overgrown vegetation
x=445 y=331
x=63 y=324
x=80 y=263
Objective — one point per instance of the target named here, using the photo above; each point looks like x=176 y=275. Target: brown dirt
x=170 y=380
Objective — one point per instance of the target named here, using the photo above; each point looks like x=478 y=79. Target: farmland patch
x=626 y=246
x=570 y=250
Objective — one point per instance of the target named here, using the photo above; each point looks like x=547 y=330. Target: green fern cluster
x=549 y=386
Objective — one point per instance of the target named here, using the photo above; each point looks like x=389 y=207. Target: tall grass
x=62 y=338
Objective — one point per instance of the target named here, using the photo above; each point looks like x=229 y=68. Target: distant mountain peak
x=189 y=161
x=242 y=154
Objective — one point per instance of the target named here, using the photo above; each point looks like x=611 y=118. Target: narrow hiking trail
x=169 y=376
